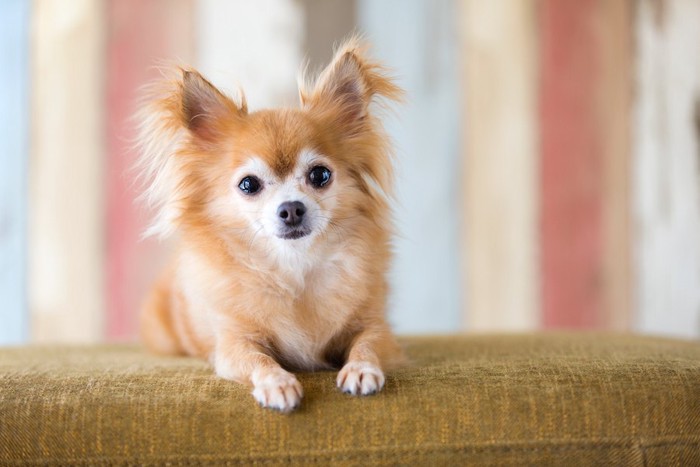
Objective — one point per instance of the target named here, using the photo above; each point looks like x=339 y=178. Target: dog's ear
x=341 y=85
x=205 y=108
x=347 y=87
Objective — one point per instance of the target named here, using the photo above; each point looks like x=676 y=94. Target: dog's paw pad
x=360 y=378
x=277 y=390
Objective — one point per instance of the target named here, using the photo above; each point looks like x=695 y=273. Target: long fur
x=257 y=306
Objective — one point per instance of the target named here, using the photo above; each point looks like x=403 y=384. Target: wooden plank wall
x=66 y=211
x=559 y=141
x=14 y=126
x=547 y=131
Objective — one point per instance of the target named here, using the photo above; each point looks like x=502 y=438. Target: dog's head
x=283 y=176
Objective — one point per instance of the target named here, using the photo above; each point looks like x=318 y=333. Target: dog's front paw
x=360 y=378
x=276 y=389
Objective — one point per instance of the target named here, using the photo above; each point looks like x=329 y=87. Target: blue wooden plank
x=14 y=120
x=419 y=43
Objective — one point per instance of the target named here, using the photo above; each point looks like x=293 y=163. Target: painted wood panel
x=141 y=36
x=262 y=54
x=14 y=124
x=327 y=23
x=584 y=135
x=419 y=41
x=571 y=167
x=500 y=170
x=66 y=212
x=667 y=167
x=614 y=112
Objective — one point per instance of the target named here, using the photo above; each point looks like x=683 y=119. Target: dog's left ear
x=347 y=86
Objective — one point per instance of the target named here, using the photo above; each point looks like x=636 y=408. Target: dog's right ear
x=205 y=109
x=343 y=92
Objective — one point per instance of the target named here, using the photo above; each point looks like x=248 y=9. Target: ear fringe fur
x=161 y=136
x=163 y=142
x=377 y=80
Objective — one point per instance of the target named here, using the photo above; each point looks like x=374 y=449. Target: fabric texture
x=548 y=399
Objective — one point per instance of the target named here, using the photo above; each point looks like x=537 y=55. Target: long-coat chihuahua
x=283 y=229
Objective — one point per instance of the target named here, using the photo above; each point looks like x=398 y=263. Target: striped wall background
x=549 y=154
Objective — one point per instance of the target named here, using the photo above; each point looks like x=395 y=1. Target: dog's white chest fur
x=322 y=301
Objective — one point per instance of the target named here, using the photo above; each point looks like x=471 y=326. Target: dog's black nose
x=291 y=212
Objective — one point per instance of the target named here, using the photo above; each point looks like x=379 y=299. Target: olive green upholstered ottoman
x=562 y=399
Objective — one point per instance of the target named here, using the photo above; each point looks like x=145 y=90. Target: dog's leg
x=239 y=359
x=372 y=350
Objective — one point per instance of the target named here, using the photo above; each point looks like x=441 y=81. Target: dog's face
x=281 y=180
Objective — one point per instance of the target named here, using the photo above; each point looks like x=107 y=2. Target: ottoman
x=539 y=399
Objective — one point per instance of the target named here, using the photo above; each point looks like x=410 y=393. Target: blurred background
x=549 y=154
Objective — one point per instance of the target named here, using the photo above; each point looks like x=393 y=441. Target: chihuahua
x=283 y=229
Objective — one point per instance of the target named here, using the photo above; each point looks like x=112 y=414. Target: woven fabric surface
x=550 y=399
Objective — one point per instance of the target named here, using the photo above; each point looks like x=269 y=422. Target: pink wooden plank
x=585 y=95
x=140 y=34
x=571 y=166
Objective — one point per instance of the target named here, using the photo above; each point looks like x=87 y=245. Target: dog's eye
x=250 y=185
x=319 y=176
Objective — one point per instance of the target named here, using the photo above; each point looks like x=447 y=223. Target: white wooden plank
x=667 y=167
x=66 y=199
x=257 y=45
x=501 y=170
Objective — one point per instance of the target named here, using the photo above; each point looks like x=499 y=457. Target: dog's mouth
x=294 y=234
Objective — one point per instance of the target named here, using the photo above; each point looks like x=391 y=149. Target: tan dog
x=283 y=227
